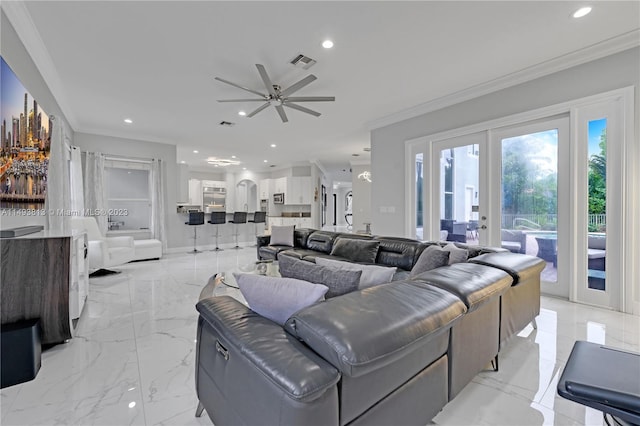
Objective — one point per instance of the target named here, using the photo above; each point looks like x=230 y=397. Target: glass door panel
x=597 y=204
x=459 y=190
x=533 y=196
x=529 y=197
x=419 y=196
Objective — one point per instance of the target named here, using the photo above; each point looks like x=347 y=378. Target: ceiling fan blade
x=241 y=100
x=301 y=108
x=260 y=108
x=312 y=99
x=265 y=78
x=299 y=85
x=240 y=87
x=281 y=113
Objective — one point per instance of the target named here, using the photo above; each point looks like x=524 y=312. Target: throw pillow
x=432 y=257
x=371 y=274
x=357 y=250
x=339 y=281
x=278 y=298
x=282 y=235
x=456 y=254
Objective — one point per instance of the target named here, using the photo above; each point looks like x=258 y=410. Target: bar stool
x=238 y=217
x=218 y=218
x=258 y=217
x=195 y=219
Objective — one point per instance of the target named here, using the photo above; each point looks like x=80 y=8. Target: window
x=128 y=195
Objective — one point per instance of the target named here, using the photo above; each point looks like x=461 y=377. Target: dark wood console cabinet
x=41 y=273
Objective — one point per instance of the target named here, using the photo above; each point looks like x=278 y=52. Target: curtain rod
x=131 y=160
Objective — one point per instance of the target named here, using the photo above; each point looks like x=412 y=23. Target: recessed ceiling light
x=273 y=145
x=128 y=120
x=327 y=44
x=583 y=11
x=264 y=161
x=242 y=113
x=182 y=162
x=233 y=156
x=244 y=168
x=195 y=151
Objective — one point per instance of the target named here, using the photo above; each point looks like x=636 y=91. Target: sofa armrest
x=120 y=242
x=276 y=355
x=97 y=252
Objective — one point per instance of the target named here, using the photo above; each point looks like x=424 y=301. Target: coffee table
x=224 y=283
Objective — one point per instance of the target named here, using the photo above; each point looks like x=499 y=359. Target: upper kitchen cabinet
x=298 y=190
x=195 y=192
x=264 y=189
x=280 y=185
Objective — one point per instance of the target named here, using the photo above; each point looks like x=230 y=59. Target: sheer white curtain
x=77 y=196
x=158 y=173
x=57 y=198
x=94 y=190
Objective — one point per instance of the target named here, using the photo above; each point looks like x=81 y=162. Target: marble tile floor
x=132 y=359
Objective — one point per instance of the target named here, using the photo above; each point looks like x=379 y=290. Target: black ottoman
x=20 y=352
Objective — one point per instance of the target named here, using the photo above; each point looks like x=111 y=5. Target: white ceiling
x=155 y=62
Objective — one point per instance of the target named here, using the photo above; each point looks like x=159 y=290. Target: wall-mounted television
x=24 y=145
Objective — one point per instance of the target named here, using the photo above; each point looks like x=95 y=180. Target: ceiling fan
x=278 y=97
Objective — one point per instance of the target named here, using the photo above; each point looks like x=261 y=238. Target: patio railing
x=544 y=221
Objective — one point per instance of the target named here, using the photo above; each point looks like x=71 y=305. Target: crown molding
x=18 y=15
x=590 y=53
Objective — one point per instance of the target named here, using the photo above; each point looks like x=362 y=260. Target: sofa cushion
x=399 y=252
x=339 y=281
x=365 y=330
x=596 y=253
x=371 y=274
x=456 y=254
x=321 y=241
x=520 y=266
x=282 y=235
x=598 y=242
x=473 y=284
x=278 y=298
x=356 y=250
x=432 y=257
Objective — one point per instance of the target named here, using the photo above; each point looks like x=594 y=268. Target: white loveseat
x=104 y=252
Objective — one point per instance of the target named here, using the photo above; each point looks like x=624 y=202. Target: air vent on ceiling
x=227 y=123
x=303 y=62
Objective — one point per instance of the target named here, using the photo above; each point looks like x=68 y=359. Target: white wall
x=387 y=156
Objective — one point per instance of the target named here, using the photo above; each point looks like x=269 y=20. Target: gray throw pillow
x=456 y=254
x=282 y=235
x=357 y=250
x=371 y=274
x=278 y=298
x=432 y=257
x=339 y=281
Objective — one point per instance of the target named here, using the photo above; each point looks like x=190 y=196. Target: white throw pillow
x=282 y=235
x=371 y=274
x=278 y=298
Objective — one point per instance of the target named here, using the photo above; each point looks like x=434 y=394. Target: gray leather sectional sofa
x=395 y=353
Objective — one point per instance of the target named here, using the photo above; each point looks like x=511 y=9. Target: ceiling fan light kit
x=277 y=97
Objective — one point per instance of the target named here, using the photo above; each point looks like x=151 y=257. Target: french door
x=555 y=183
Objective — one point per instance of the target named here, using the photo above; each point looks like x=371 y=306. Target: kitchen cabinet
x=280 y=186
x=264 y=189
x=195 y=192
x=299 y=222
x=298 y=190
